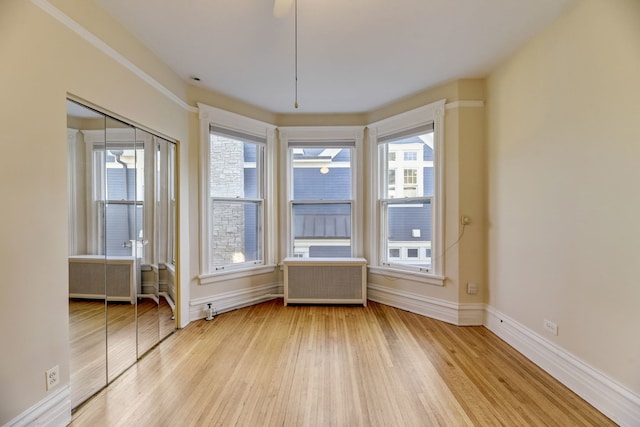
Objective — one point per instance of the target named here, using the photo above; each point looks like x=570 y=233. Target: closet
x=122 y=245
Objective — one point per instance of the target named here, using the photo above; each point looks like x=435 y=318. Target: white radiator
x=325 y=280
x=97 y=276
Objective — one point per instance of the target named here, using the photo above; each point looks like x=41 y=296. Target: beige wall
x=42 y=61
x=563 y=179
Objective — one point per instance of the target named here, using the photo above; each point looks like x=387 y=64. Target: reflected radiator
x=325 y=281
x=94 y=276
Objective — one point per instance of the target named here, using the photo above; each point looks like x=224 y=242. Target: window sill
x=428 y=279
x=222 y=276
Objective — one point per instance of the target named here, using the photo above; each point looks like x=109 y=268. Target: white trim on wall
x=435 y=308
x=72 y=135
x=227 y=301
x=88 y=36
x=606 y=395
x=54 y=411
x=464 y=103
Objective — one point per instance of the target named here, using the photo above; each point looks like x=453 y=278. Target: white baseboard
x=471 y=314
x=228 y=301
x=52 y=411
x=447 y=311
x=609 y=397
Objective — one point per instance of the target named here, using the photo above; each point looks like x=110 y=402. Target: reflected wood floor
x=90 y=361
x=270 y=365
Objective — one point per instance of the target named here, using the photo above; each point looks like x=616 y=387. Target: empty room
x=309 y=213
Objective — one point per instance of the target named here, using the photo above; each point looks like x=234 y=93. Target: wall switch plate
x=551 y=327
x=52 y=377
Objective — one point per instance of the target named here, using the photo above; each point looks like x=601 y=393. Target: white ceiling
x=353 y=55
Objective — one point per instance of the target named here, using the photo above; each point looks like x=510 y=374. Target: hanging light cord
x=296 y=51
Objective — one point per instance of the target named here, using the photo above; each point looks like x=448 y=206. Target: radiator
x=325 y=281
x=97 y=276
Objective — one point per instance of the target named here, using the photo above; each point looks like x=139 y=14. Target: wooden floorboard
x=271 y=365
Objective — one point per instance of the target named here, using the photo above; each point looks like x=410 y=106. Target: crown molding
x=464 y=104
x=98 y=43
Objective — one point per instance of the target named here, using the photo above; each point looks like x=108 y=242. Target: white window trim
x=214 y=116
x=322 y=134
x=72 y=135
x=95 y=141
x=433 y=112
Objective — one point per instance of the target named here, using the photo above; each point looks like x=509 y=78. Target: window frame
x=384 y=131
x=96 y=197
x=321 y=137
x=240 y=125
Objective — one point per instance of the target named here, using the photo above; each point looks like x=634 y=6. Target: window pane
x=122 y=229
x=121 y=166
x=410 y=155
x=408 y=230
x=322 y=230
x=235 y=232
x=413 y=164
x=121 y=214
x=321 y=174
x=233 y=167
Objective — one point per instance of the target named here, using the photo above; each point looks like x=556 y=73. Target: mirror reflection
x=122 y=214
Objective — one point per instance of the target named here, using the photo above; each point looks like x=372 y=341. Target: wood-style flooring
x=270 y=365
x=106 y=339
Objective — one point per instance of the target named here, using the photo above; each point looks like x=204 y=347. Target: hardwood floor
x=270 y=365
x=87 y=344
x=96 y=351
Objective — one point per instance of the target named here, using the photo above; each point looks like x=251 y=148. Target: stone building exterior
x=226 y=180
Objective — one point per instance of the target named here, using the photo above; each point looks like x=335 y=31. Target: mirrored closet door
x=122 y=216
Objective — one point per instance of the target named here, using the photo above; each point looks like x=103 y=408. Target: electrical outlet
x=472 y=288
x=551 y=327
x=465 y=220
x=52 y=377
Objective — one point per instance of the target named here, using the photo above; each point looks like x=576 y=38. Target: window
x=321 y=203
x=321 y=192
x=236 y=200
x=131 y=209
x=410 y=178
x=235 y=206
x=392 y=178
x=119 y=221
x=408 y=215
x=410 y=155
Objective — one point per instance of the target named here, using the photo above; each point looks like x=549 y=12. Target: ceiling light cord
x=295 y=104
